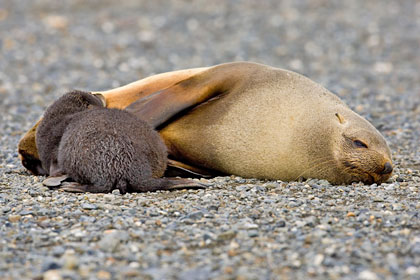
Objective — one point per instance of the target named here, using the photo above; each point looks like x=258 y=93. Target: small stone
x=415 y=249
x=227 y=235
x=132 y=273
x=213 y=208
x=232 y=252
x=195 y=215
x=208 y=236
x=52 y=275
x=318 y=259
x=50 y=264
x=14 y=218
x=253 y=233
x=228 y=270
x=281 y=224
x=70 y=261
x=116 y=192
x=351 y=214
x=412 y=270
x=368 y=275
x=26 y=212
x=84 y=271
x=76 y=213
x=58 y=251
x=56 y=21
x=383 y=67
x=102 y=274
x=89 y=206
x=241 y=188
x=249 y=226
x=396 y=207
x=112 y=239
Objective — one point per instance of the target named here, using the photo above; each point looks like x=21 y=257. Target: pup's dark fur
x=103 y=149
x=55 y=121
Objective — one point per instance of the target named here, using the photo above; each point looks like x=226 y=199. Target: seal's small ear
x=340 y=118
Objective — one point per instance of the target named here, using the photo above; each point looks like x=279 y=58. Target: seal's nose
x=387 y=168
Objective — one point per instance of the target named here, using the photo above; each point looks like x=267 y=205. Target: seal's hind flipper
x=55 y=180
x=123 y=96
x=177 y=168
x=159 y=107
x=166 y=184
x=74 y=187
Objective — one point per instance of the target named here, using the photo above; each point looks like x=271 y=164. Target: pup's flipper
x=55 y=180
x=75 y=187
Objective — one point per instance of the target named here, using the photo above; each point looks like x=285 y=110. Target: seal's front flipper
x=179 y=169
x=165 y=184
x=179 y=183
x=54 y=181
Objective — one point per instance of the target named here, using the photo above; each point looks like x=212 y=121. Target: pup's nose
x=387 y=168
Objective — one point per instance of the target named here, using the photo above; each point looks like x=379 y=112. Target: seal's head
x=361 y=153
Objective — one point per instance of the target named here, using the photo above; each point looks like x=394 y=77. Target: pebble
x=102 y=274
x=14 y=218
x=52 y=275
x=89 y=206
x=240 y=228
x=368 y=275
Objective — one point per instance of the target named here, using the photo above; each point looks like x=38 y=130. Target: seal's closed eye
x=359 y=144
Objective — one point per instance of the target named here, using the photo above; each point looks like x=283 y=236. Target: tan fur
x=123 y=96
x=277 y=124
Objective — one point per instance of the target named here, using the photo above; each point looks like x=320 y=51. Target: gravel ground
x=365 y=51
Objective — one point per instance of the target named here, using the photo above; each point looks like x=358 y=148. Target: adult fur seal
x=102 y=149
x=257 y=121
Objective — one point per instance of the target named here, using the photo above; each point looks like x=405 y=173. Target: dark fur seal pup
x=102 y=149
x=54 y=123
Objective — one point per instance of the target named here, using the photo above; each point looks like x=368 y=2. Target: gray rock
x=89 y=206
